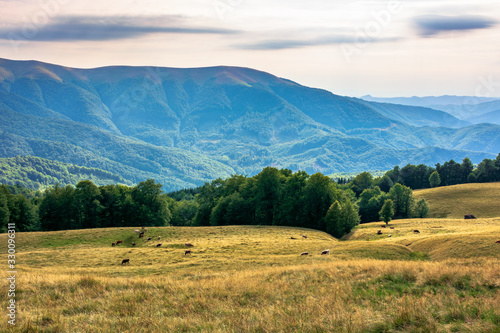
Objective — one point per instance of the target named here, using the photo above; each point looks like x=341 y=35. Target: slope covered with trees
x=184 y=127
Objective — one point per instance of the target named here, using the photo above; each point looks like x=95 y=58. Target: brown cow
x=126 y=261
x=392 y=227
x=188 y=245
x=159 y=237
x=379 y=232
x=133 y=244
x=304 y=236
x=144 y=229
x=469 y=217
x=158 y=245
x=119 y=242
x=497 y=242
x=187 y=252
x=113 y=244
x=416 y=231
x=141 y=234
x=293 y=238
x=325 y=252
x=149 y=238
x=304 y=254
x=382 y=226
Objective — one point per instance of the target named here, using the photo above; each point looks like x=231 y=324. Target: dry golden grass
x=481 y=200
x=253 y=279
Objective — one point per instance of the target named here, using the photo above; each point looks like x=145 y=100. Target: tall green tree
x=57 y=210
x=290 y=210
x=421 y=208
x=434 y=179
x=150 y=204
x=87 y=205
x=319 y=193
x=267 y=195
x=361 y=182
x=402 y=197
x=387 y=211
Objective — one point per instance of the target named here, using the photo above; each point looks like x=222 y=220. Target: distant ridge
x=183 y=127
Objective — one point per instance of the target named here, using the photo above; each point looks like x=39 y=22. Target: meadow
x=446 y=278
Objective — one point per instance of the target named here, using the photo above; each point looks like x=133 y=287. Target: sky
x=352 y=48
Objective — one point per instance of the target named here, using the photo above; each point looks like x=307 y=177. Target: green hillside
x=184 y=127
x=38 y=173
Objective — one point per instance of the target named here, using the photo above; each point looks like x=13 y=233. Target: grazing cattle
x=304 y=236
x=149 y=238
x=416 y=231
x=144 y=229
x=379 y=232
x=125 y=261
x=119 y=242
x=304 y=254
x=113 y=244
x=408 y=244
x=389 y=235
x=187 y=252
x=133 y=244
x=469 y=217
x=392 y=227
x=497 y=242
x=293 y=238
x=159 y=237
x=325 y=252
x=141 y=235
x=137 y=231
x=158 y=245
x=188 y=245
x=382 y=226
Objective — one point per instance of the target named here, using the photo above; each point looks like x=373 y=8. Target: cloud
x=281 y=44
x=430 y=25
x=107 y=28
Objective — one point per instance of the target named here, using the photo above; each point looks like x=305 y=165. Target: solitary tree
x=434 y=179
x=387 y=211
x=421 y=208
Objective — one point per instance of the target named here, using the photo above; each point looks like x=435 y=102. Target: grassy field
x=481 y=200
x=253 y=279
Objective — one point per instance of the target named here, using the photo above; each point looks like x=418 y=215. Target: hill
x=455 y=201
x=246 y=279
x=183 y=127
x=37 y=173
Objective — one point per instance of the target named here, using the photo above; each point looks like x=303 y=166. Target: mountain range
x=183 y=127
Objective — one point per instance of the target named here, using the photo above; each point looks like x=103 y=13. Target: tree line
x=272 y=197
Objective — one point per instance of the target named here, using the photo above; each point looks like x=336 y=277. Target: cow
x=304 y=236
x=392 y=227
x=408 y=244
x=126 y=261
x=149 y=238
x=293 y=238
x=379 y=232
x=416 y=231
x=113 y=244
x=137 y=231
x=187 y=252
x=469 y=217
x=159 y=237
x=382 y=226
x=141 y=234
x=133 y=244
x=304 y=254
x=144 y=229
x=497 y=242
x=325 y=252
x=119 y=242
x=188 y=245
x=389 y=235
x=158 y=245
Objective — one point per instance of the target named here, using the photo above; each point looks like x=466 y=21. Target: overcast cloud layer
x=383 y=48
